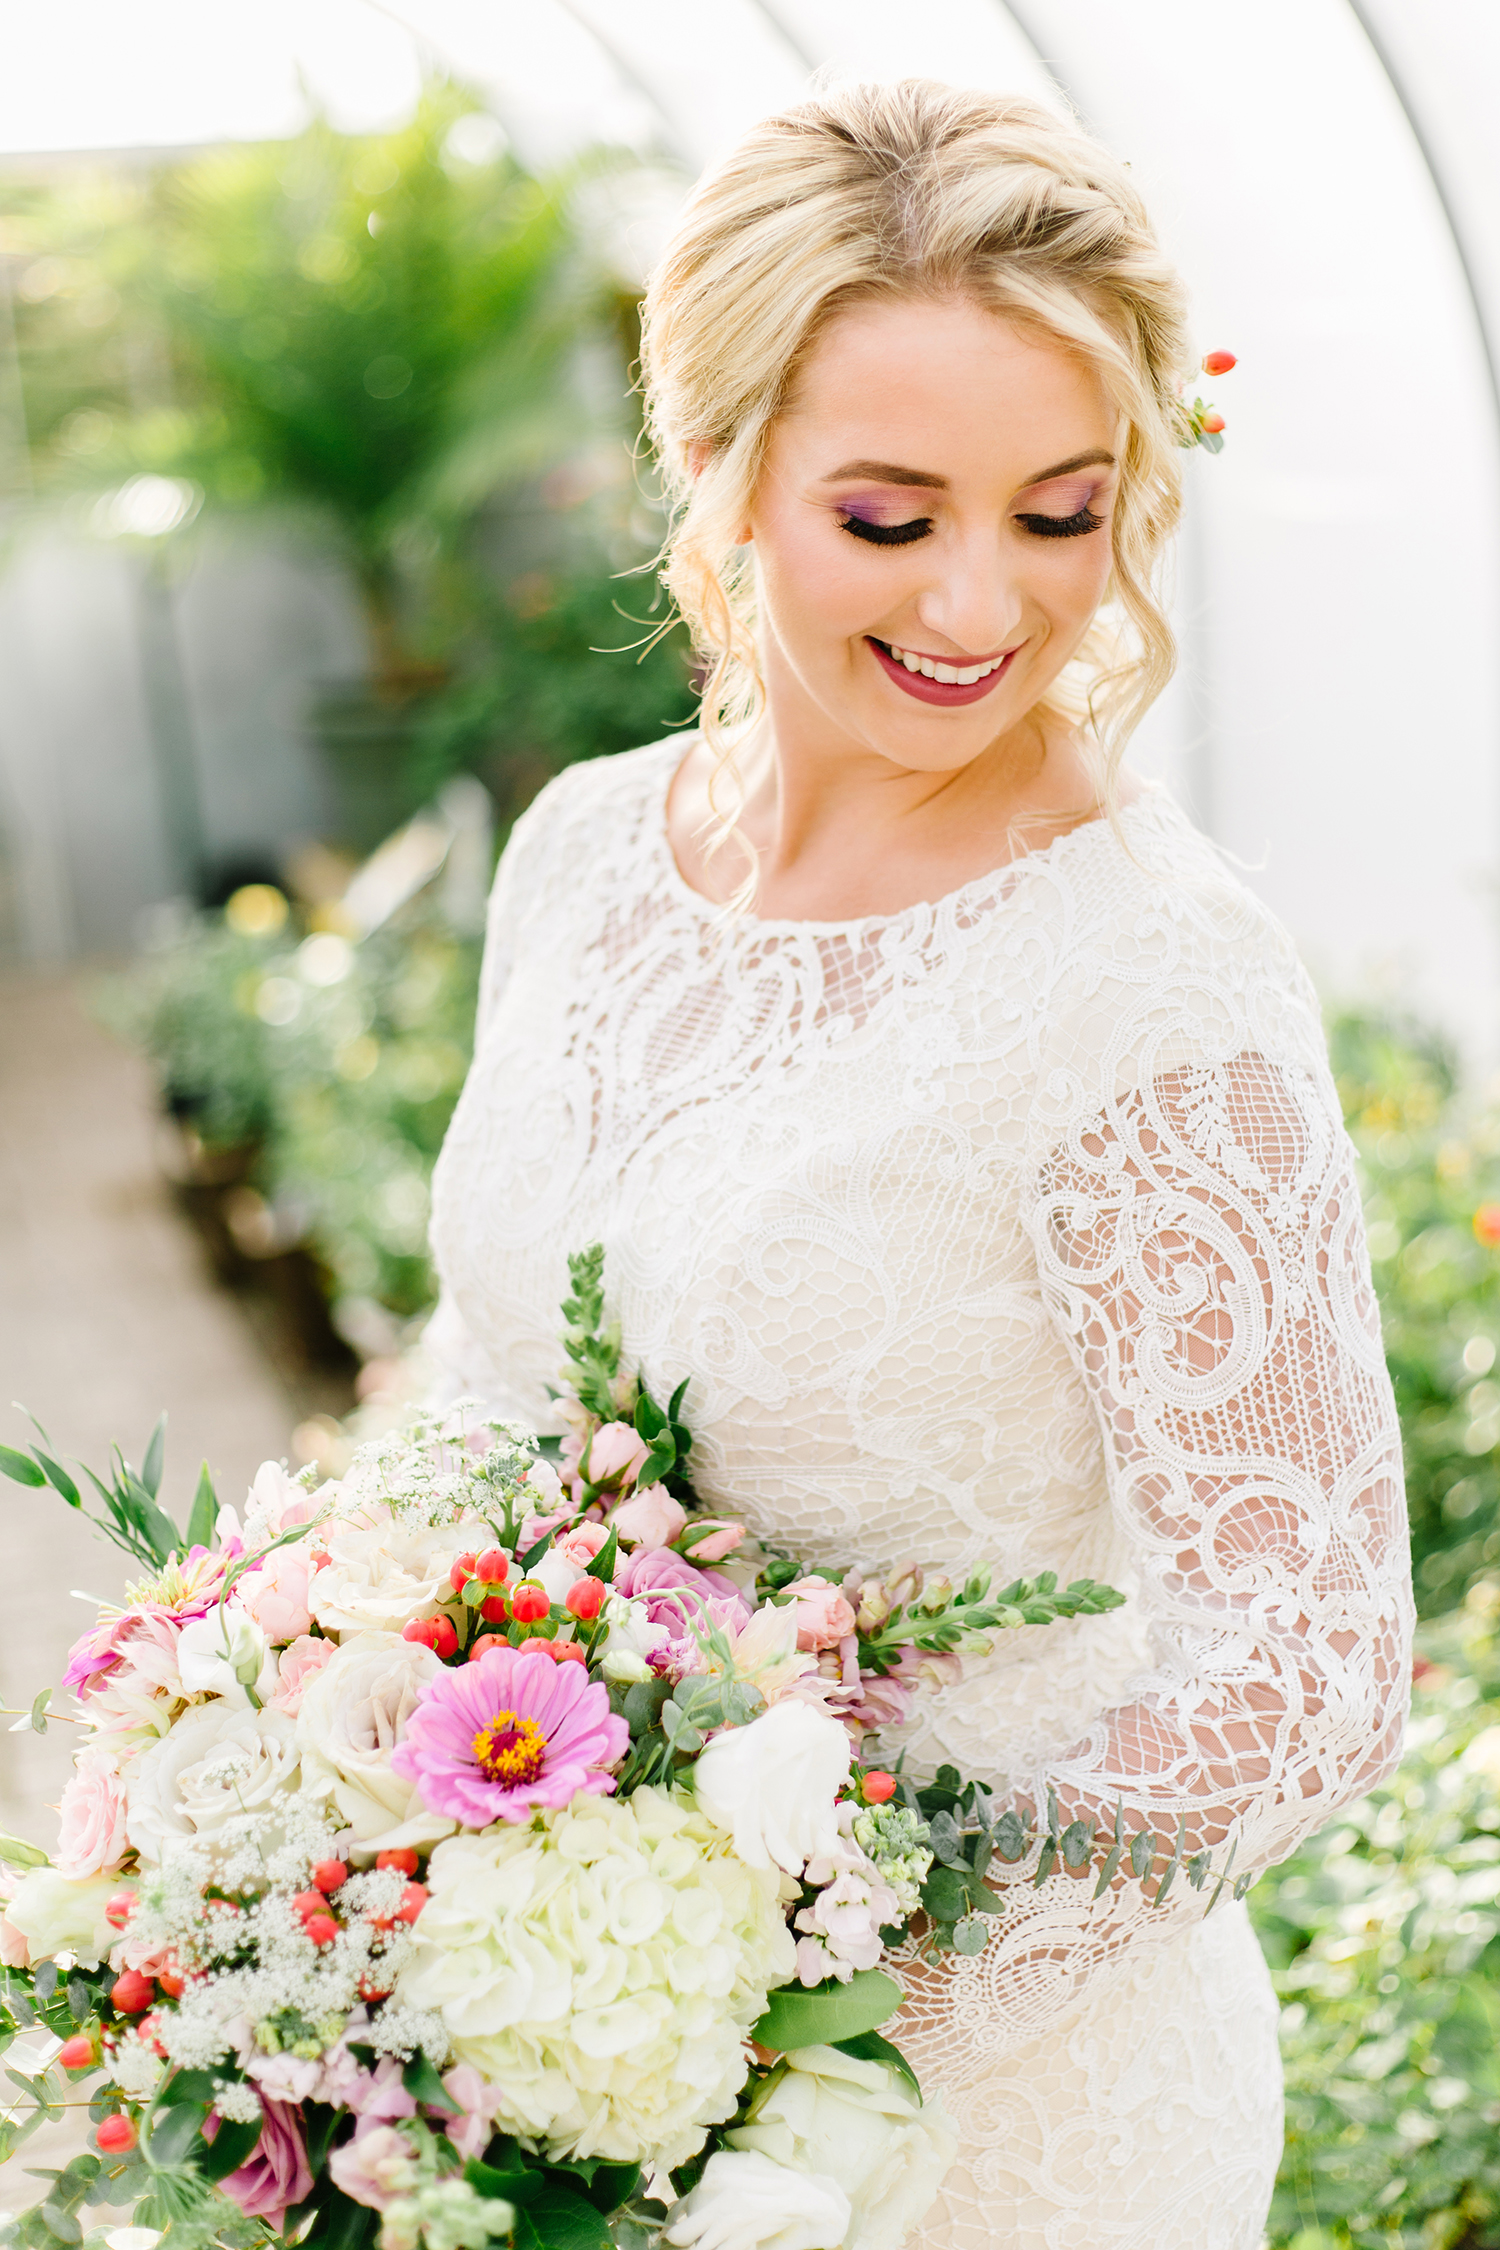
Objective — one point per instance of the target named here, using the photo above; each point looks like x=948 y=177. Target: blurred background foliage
x=422 y=354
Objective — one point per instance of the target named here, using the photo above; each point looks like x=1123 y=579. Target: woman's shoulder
x=615 y=797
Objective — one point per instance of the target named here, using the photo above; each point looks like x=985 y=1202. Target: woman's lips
x=949 y=694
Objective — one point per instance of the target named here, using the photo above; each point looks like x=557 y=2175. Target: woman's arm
x=1200 y=1243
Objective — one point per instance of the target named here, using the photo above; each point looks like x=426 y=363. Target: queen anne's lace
x=1021 y=1224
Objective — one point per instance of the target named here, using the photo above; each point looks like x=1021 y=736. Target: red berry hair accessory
x=1202 y=424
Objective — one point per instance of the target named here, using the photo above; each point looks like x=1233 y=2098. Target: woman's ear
x=699 y=454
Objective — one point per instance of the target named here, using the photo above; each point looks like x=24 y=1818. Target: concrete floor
x=107 y=1315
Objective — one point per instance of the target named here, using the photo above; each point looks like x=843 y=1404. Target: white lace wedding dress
x=1021 y=1225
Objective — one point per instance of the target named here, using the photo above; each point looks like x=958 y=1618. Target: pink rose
x=14 y=1951
x=712 y=1539
x=277 y=1502
x=275 y=1593
x=652 y=1519
x=376 y=2167
x=92 y=1837
x=534 y=1528
x=275 y=2174
x=285 y=2077
x=582 y=1543
x=824 y=1618
x=378 y=2097
x=614 y=1455
x=652 y=1571
x=299 y=1667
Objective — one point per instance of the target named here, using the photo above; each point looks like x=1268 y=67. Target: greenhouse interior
x=329 y=535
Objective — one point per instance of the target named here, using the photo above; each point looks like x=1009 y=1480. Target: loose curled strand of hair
x=915 y=190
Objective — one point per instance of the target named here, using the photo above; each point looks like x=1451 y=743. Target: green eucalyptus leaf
x=1076 y=1843
x=155 y=1452
x=19 y=1467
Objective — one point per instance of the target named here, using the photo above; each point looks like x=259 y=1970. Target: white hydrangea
x=602 y=1966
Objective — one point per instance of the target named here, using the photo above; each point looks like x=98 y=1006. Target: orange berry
x=1213 y=423
x=330 y=1874
x=492 y=1566
x=406 y=1860
x=321 y=1928
x=372 y=1992
x=116 y=2135
x=77 y=2053
x=567 y=1652
x=586 y=1598
x=132 y=1993
x=530 y=1603
x=171 y=1983
x=487 y=1641
x=878 y=1787
x=1218 y=363
x=413 y=1899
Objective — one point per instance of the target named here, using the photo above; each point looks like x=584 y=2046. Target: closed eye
x=886 y=534
x=1061 y=527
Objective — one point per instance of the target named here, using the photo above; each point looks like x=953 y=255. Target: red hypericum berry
x=1487 y=1225
x=374 y=1992
x=172 y=1982
x=419 y=1630
x=462 y=1572
x=879 y=1788
x=118 y=1910
x=443 y=1640
x=132 y=1993
x=586 y=1598
x=413 y=1899
x=406 y=1861
x=568 y=1652
x=331 y=1874
x=116 y=2136
x=487 y=1641
x=493 y=1566
x=530 y=1602
x=1213 y=423
x=78 y=2052
x=495 y=1609
x=148 y=2031
x=321 y=1928
x=308 y=1902
x=1218 y=363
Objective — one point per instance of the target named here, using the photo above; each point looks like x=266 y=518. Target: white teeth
x=950 y=675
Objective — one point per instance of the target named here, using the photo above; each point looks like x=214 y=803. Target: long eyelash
x=1062 y=527
x=887 y=534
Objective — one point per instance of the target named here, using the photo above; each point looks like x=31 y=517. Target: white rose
x=353 y=1714
x=774 y=1784
x=218 y=1762
x=557 y=1574
x=221 y=1654
x=381 y=1574
x=744 y=2201
x=55 y=1915
x=545 y=1487
x=860 y=2124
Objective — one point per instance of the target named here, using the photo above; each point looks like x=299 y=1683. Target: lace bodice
x=1022 y=1224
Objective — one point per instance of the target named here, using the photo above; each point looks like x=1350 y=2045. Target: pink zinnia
x=510 y=1730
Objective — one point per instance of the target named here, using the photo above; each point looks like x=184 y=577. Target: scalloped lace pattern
x=1021 y=1224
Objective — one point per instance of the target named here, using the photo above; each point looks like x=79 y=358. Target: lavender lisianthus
x=276 y=2173
x=509 y=1731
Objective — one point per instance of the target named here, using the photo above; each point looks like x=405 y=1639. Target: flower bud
x=118 y=1910
x=116 y=2135
x=530 y=1602
x=78 y=2053
x=321 y=1928
x=463 y=1570
x=1218 y=363
x=878 y=1788
x=493 y=1566
x=331 y=1874
x=585 y=1599
x=935 y=1595
x=905 y=1583
x=131 y=1993
x=1213 y=423
x=625 y=1668
x=874 y=1607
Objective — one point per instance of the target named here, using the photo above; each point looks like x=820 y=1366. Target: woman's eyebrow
x=891 y=472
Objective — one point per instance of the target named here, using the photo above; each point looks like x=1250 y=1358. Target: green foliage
x=131 y=1517
x=1430 y=1166
x=1384 y=1937
x=824 y=2015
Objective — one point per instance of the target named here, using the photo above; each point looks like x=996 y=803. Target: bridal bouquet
x=479 y=1847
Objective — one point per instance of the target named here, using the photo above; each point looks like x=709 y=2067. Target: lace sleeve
x=454 y=1363
x=1200 y=1243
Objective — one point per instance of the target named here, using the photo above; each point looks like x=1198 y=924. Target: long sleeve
x=1198 y=1240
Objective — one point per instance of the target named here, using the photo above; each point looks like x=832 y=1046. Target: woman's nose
x=976 y=604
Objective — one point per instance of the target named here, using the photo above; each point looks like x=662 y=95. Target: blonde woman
x=956 y=1117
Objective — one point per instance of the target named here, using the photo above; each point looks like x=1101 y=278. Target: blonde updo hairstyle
x=916 y=190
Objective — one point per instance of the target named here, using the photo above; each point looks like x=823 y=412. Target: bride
x=947 y=1106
